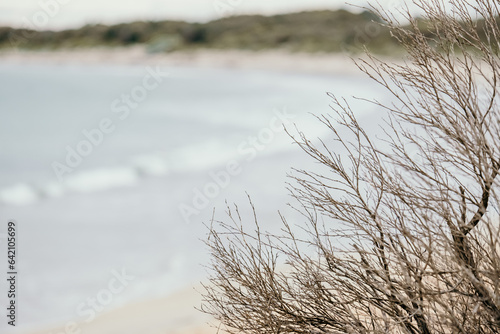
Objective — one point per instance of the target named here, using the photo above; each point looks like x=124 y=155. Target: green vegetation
x=326 y=31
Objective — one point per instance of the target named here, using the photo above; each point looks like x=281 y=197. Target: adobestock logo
x=97 y=303
x=221 y=179
x=38 y=20
x=226 y=7
x=122 y=108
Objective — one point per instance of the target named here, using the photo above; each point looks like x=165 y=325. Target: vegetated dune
x=315 y=31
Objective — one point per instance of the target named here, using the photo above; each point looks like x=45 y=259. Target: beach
x=155 y=161
x=172 y=315
x=273 y=60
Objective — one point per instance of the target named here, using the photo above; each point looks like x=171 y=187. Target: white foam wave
x=84 y=182
x=19 y=194
x=192 y=158
x=154 y=165
x=102 y=179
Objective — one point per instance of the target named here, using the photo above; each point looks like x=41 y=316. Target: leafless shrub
x=406 y=235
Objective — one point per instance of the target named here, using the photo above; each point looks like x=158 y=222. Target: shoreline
x=271 y=60
x=174 y=314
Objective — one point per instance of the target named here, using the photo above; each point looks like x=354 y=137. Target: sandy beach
x=317 y=63
x=175 y=314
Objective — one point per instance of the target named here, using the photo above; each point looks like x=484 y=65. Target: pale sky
x=57 y=14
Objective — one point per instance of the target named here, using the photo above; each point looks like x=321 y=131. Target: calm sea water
x=133 y=202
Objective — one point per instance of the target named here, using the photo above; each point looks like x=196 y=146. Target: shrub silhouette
x=402 y=237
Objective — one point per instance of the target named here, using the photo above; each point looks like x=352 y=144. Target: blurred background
x=125 y=126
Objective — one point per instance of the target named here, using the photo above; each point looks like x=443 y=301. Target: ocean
x=116 y=170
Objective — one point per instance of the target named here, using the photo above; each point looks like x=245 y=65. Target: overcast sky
x=57 y=14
